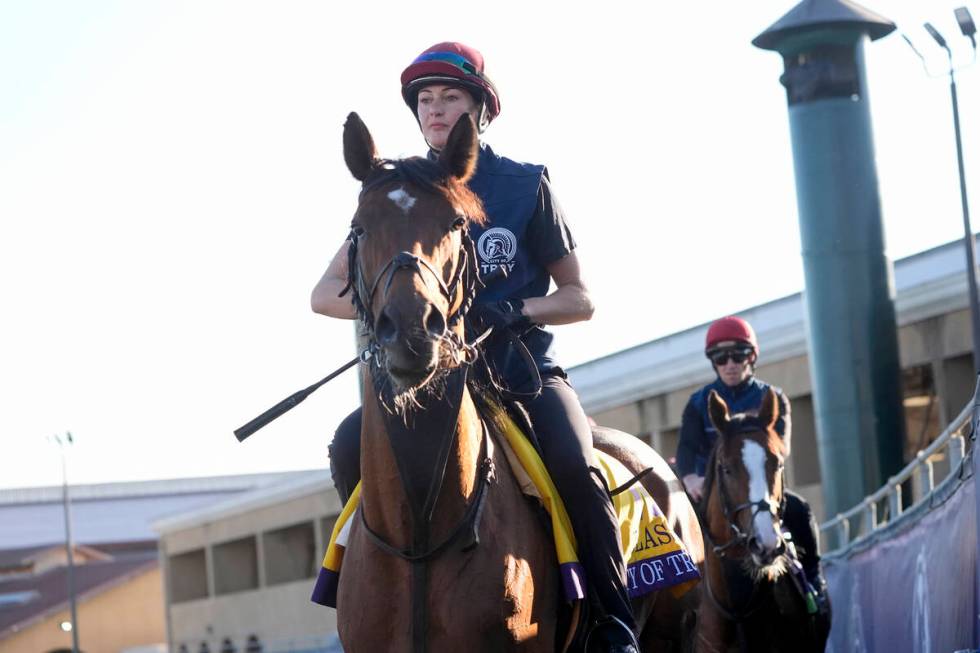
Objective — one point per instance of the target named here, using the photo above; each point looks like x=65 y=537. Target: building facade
x=244 y=569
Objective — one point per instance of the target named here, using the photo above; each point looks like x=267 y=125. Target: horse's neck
x=383 y=498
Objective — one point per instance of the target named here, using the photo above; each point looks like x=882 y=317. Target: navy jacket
x=525 y=232
x=697 y=433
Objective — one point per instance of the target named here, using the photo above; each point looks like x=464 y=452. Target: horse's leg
x=668 y=624
x=796 y=629
x=714 y=633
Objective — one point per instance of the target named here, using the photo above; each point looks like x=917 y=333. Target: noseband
x=363 y=295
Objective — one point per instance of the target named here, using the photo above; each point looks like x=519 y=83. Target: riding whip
x=295 y=399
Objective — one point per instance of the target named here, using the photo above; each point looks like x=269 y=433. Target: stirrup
x=821 y=596
x=609 y=624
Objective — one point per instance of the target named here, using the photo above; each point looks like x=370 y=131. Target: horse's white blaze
x=402 y=200
x=754 y=459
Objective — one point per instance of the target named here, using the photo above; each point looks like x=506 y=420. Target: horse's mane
x=429 y=176
x=750 y=423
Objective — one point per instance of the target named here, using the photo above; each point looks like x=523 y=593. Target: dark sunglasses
x=722 y=357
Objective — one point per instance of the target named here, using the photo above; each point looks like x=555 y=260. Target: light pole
x=69 y=545
x=969 y=30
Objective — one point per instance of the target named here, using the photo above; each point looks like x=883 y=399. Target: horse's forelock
x=747 y=424
x=431 y=177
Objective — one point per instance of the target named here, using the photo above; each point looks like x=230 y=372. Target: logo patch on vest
x=497 y=247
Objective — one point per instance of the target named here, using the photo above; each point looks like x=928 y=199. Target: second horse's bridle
x=739 y=538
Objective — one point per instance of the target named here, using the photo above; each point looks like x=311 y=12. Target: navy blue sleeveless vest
x=743 y=398
x=509 y=192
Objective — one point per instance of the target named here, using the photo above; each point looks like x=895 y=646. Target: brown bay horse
x=447 y=554
x=752 y=597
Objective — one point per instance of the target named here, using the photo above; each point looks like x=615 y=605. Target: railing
x=856 y=526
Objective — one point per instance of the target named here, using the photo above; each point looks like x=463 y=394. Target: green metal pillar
x=849 y=292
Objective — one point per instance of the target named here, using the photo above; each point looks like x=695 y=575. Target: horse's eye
x=357 y=230
x=725 y=469
x=459 y=222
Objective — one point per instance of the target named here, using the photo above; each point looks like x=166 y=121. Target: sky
x=172 y=186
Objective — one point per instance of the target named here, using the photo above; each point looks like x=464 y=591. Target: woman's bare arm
x=325 y=296
x=569 y=303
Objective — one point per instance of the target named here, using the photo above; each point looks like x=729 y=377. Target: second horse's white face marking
x=754 y=459
x=402 y=200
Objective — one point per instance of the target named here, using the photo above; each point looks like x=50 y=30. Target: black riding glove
x=502 y=315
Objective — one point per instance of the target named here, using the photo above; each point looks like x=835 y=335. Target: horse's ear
x=718 y=412
x=359 y=152
x=459 y=156
x=769 y=411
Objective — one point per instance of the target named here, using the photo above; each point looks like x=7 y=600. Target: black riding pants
x=799 y=519
x=565 y=435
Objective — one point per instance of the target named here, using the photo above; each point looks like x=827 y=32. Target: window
x=921 y=408
x=236 y=566
x=823 y=72
x=17 y=599
x=288 y=553
x=188 y=576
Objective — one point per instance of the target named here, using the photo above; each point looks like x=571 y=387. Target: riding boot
x=566 y=442
x=610 y=635
x=600 y=552
x=345 y=456
x=802 y=526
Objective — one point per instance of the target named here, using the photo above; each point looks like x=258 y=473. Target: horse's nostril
x=755 y=546
x=386 y=330
x=435 y=322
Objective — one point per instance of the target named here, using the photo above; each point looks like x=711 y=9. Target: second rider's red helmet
x=730 y=329
x=452 y=63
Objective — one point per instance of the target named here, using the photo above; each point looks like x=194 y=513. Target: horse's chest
x=499 y=596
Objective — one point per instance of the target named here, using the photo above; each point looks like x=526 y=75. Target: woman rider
x=526 y=234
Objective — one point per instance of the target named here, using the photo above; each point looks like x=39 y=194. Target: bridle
x=465 y=279
x=739 y=538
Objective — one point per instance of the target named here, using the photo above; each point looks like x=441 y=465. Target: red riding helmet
x=729 y=329
x=452 y=63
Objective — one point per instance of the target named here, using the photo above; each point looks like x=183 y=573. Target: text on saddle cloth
x=656 y=558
